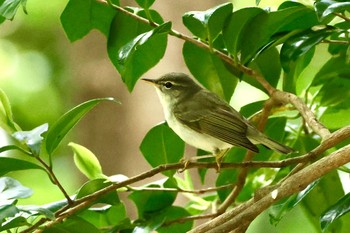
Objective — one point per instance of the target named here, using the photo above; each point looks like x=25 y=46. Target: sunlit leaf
x=341 y=207
x=6 y=115
x=86 y=162
x=8 y=8
x=161 y=146
x=301 y=43
x=32 y=138
x=61 y=127
x=326 y=7
x=11 y=189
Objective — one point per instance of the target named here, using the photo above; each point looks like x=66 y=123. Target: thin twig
x=55 y=180
x=342 y=16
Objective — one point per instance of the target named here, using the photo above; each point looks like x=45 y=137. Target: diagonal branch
x=233 y=219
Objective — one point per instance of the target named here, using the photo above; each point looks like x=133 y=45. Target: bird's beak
x=151 y=81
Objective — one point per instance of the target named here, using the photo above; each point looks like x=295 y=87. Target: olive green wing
x=221 y=122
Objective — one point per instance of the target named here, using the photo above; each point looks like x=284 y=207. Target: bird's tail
x=257 y=137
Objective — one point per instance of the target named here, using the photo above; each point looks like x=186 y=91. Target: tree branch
x=293 y=184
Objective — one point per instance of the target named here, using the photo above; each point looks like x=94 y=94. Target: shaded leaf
x=86 y=162
x=172 y=213
x=8 y=8
x=32 y=138
x=270 y=70
x=66 y=122
x=148 y=202
x=80 y=16
x=14 y=222
x=35 y=210
x=7 y=210
x=73 y=224
x=334 y=212
x=142 y=53
x=12 y=164
x=214 y=75
x=96 y=185
x=145 y=3
x=11 y=189
x=233 y=30
x=106 y=216
x=162 y=146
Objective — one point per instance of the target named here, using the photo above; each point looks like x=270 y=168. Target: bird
x=205 y=121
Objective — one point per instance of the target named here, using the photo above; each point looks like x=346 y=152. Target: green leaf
x=335 y=211
x=335 y=118
x=329 y=93
x=32 y=138
x=281 y=208
x=73 y=224
x=336 y=67
x=61 y=127
x=209 y=70
x=125 y=29
x=12 y=164
x=80 y=16
x=14 y=222
x=6 y=116
x=326 y=7
x=270 y=70
x=294 y=68
x=162 y=146
x=7 y=209
x=148 y=202
x=233 y=31
x=86 y=162
x=106 y=216
x=327 y=192
x=8 y=8
x=172 y=213
x=36 y=210
x=145 y=3
x=207 y=24
x=301 y=43
x=265 y=26
x=11 y=189
x=96 y=185
x=141 y=54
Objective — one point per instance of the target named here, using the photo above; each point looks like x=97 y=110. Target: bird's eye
x=168 y=85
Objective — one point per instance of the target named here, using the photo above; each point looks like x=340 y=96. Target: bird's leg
x=186 y=162
x=219 y=154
